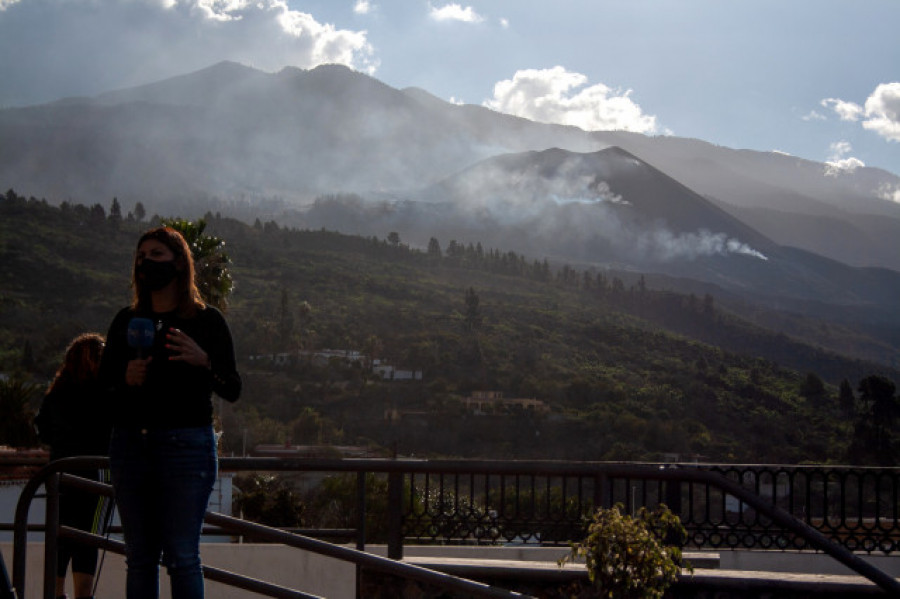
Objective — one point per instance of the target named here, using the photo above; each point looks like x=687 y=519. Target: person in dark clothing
x=74 y=421
x=163 y=449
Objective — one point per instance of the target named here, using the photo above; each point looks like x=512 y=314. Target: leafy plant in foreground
x=631 y=557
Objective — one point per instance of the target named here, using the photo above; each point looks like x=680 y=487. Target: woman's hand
x=185 y=349
x=136 y=371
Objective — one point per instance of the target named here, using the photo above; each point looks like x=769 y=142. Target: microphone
x=140 y=335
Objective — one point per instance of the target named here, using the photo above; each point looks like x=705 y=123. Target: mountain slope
x=610 y=210
x=237 y=134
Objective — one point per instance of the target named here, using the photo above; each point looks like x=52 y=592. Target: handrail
x=276 y=535
x=359 y=558
x=557 y=468
x=210 y=572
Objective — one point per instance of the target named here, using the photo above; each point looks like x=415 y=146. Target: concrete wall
x=276 y=564
x=334 y=579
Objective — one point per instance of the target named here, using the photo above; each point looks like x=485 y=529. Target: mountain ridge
x=231 y=133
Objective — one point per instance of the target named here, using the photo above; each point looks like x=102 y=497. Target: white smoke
x=572 y=206
x=662 y=244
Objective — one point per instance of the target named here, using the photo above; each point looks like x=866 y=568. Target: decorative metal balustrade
x=836 y=510
x=858 y=508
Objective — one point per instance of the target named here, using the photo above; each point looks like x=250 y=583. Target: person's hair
x=189 y=299
x=81 y=362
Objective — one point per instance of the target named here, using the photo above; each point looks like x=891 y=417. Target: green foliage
x=876 y=439
x=268 y=499
x=16 y=416
x=210 y=261
x=631 y=557
x=627 y=371
x=333 y=504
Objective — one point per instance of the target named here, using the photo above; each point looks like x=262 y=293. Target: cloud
x=880 y=114
x=838 y=163
x=883 y=111
x=550 y=96
x=90 y=46
x=813 y=116
x=889 y=192
x=362 y=7
x=504 y=22
x=847 y=111
x=4 y=4
x=455 y=12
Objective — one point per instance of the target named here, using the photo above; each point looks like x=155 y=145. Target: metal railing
x=546 y=502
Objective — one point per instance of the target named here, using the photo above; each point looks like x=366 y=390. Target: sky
x=817 y=79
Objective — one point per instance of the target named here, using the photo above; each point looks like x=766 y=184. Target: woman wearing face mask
x=163 y=451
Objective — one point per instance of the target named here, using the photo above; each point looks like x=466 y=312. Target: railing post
x=601 y=491
x=395 y=515
x=360 y=525
x=673 y=496
x=361 y=502
x=51 y=535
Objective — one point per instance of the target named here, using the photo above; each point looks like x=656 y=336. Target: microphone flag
x=140 y=335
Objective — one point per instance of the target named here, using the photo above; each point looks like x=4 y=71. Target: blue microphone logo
x=140 y=335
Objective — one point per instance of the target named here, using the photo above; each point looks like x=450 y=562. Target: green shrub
x=631 y=557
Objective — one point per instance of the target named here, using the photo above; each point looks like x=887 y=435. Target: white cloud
x=362 y=7
x=6 y=3
x=839 y=148
x=847 y=111
x=839 y=163
x=880 y=114
x=883 y=111
x=173 y=37
x=504 y=23
x=813 y=116
x=455 y=12
x=550 y=96
x=889 y=192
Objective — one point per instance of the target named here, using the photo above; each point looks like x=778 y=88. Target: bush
x=631 y=557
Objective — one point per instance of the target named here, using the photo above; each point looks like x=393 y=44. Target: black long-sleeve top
x=74 y=420
x=174 y=394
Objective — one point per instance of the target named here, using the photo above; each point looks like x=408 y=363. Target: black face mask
x=156 y=275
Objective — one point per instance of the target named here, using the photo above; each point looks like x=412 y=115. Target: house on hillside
x=485 y=403
x=390 y=373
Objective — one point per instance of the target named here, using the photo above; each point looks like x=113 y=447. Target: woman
x=163 y=450
x=74 y=421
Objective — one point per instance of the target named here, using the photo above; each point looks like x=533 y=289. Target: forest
x=623 y=370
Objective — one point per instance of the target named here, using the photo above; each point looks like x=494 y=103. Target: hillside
x=627 y=371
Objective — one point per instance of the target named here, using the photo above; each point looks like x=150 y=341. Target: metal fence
x=836 y=510
x=546 y=503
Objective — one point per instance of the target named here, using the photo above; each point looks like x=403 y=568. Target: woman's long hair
x=81 y=362
x=189 y=299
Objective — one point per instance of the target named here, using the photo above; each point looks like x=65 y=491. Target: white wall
x=334 y=579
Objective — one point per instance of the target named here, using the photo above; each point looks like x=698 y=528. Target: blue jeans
x=163 y=480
